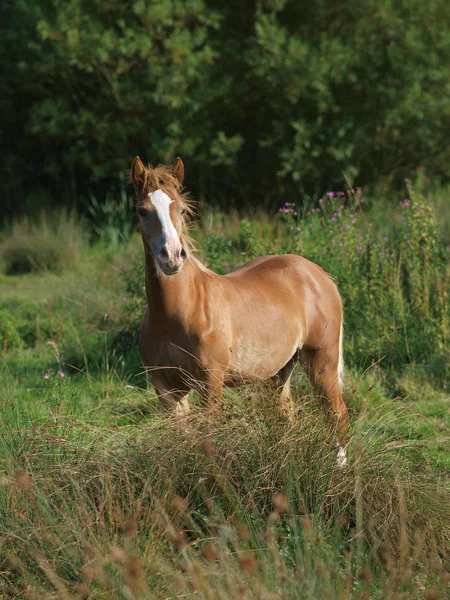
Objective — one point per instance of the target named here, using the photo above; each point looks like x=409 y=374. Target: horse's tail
x=341 y=357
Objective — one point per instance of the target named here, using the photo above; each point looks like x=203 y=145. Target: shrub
x=9 y=336
x=112 y=218
x=52 y=243
x=260 y=98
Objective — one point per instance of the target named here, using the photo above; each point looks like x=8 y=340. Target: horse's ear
x=137 y=172
x=178 y=169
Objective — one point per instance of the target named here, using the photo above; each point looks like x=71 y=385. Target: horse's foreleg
x=210 y=390
x=175 y=403
x=282 y=381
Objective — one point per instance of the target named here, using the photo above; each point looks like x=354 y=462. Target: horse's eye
x=143 y=211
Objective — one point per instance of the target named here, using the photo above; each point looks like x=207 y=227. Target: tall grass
x=247 y=506
x=52 y=242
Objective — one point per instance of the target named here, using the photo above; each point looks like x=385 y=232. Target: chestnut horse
x=202 y=330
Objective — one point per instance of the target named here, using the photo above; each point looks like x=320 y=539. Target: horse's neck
x=172 y=296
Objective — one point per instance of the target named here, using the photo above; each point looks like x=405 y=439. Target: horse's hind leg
x=322 y=367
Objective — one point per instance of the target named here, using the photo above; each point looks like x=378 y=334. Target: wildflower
x=287 y=204
x=331 y=231
x=341 y=207
x=280 y=210
x=353 y=221
x=124 y=299
x=341 y=244
x=330 y=194
x=320 y=200
x=359 y=249
x=333 y=218
x=339 y=214
x=46 y=375
x=294 y=213
x=61 y=374
x=385 y=238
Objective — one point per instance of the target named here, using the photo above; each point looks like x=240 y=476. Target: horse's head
x=160 y=207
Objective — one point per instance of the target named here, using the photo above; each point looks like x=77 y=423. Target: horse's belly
x=261 y=359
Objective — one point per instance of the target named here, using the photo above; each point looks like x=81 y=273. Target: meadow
x=103 y=496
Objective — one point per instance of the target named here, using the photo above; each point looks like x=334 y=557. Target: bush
x=259 y=98
x=53 y=243
x=9 y=336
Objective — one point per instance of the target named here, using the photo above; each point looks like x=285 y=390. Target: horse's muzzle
x=171 y=260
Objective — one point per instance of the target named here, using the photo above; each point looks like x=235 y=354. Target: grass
x=102 y=496
x=52 y=243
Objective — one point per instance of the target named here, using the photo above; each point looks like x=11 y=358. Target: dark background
x=262 y=100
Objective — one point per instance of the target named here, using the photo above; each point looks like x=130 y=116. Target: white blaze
x=161 y=202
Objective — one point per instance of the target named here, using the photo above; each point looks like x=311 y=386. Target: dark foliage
x=259 y=98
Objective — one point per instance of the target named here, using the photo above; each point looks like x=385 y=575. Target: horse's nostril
x=164 y=254
x=183 y=253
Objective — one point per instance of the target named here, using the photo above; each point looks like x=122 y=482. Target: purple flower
x=46 y=376
x=280 y=210
x=287 y=204
x=385 y=238
x=333 y=218
x=330 y=194
x=353 y=221
x=61 y=374
x=124 y=299
x=359 y=249
x=294 y=213
x=320 y=200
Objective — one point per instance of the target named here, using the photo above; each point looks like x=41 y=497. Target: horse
x=202 y=330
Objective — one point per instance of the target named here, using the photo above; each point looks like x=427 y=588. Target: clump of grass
x=9 y=336
x=51 y=243
x=245 y=506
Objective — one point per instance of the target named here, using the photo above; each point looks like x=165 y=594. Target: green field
x=103 y=496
